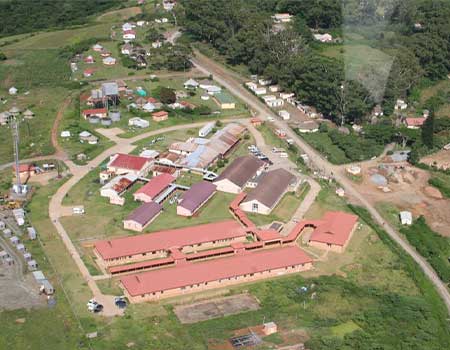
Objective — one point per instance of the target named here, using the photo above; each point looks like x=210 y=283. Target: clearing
x=215 y=308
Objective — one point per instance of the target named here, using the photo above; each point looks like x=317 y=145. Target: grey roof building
x=195 y=197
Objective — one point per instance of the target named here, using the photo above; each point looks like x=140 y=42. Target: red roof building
x=126 y=163
x=334 y=230
x=160 y=116
x=414 y=123
x=193 y=277
x=152 y=100
x=153 y=188
x=143 y=246
x=97 y=112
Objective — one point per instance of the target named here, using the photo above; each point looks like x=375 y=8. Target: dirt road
x=233 y=83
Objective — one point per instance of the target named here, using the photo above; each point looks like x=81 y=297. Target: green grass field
x=442 y=182
x=34 y=133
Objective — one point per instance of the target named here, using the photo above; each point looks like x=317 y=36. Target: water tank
x=114 y=115
x=94 y=120
x=106 y=121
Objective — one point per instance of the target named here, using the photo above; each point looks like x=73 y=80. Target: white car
x=270 y=119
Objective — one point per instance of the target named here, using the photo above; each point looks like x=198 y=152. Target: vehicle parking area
x=216 y=308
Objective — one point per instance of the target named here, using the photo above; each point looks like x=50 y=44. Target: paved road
x=233 y=83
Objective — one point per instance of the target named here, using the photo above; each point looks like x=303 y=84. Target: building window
x=255 y=207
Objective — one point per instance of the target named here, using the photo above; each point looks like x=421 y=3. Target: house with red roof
x=121 y=163
x=88 y=72
x=333 y=231
x=153 y=188
x=96 y=112
x=160 y=116
x=414 y=123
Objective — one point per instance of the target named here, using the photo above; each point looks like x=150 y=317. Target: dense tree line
x=24 y=16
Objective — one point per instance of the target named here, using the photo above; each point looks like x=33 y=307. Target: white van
x=78 y=210
x=283 y=155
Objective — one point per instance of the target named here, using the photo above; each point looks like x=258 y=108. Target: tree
x=2 y=56
x=428 y=131
x=167 y=95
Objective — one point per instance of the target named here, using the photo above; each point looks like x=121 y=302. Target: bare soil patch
x=216 y=308
x=407 y=189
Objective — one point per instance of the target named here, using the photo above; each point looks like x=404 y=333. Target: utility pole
x=15 y=134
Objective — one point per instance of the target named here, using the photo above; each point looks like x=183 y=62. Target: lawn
x=34 y=133
x=322 y=142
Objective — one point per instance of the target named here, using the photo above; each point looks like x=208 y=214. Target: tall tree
x=428 y=131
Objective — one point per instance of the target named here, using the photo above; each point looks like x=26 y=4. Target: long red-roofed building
x=121 y=163
x=157 y=245
x=217 y=273
x=153 y=188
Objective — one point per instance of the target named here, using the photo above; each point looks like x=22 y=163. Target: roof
x=415 y=121
x=145 y=213
x=160 y=114
x=271 y=187
x=156 y=185
x=163 y=240
x=110 y=89
x=191 y=82
x=224 y=97
x=241 y=170
x=334 y=228
x=24 y=167
x=213 y=270
x=127 y=161
x=198 y=193
x=94 y=111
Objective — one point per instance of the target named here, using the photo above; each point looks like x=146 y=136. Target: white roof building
x=406 y=218
x=65 y=133
x=138 y=122
x=12 y=90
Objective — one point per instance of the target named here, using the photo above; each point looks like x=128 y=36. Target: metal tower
x=15 y=133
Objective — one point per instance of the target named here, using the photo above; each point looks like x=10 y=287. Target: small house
x=96 y=112
x=7 y=233
x=89 y=59
x=191 y=84
x=2 y=225
x=27 y=256
x=285 y=115
x=156 y=44
x=14 y=240
x=138 y=122
x=86 y=136
x=31 y=233
x=204 y=131
x=414 y=123
x=260 y=91
x=224 y=100
x=89 y=72
x=274 y=88
x=32 y=265
x=160 y=116
x=109 y=61
x=148 y=107
x=256 y=122
x=97 y=47
x=308 y=126
x=278 y=102
x=126 y=49
x=406 y=218
x=400 y=105
x=323 y=38
x=28 y=114
x=12 y=90
x=20 y=247
x=282 y=17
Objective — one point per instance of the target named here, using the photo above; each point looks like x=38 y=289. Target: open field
x=34 y=133
x=216 y=308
